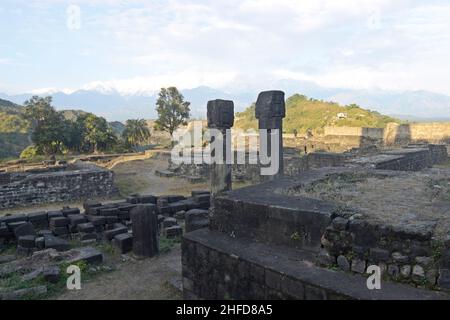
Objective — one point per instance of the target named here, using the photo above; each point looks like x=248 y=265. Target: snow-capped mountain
x=121 y=103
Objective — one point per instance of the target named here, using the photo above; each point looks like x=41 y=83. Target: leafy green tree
x=98 y=134
x=48 y=125
x=136 y=132
x=172 y=110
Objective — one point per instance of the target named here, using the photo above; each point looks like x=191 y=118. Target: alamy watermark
x=215 y=146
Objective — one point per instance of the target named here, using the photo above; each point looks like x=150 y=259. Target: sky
x=139 y=45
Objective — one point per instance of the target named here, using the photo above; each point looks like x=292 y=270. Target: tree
x=48 y=125
x=136 y=132
x=97 y=133
x=172 y=110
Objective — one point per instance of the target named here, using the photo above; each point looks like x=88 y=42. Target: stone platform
x=337 y=222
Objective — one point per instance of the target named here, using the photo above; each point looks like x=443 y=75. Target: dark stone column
x=145 y=230
x=221 y=117
x=270 y=111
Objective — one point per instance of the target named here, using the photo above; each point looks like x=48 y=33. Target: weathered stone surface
x=399 y=258
x=424 y=261
x=444 y=279
x=220 y=114
x=37 y=216
x=124 y=242
x=145 y=230
x=27 y=241
x=340 y=223
x=110 y=234
x=377 y=254
x=393 y=270
x=405 y=271
x=270 y=109
x=358 y=265
x=173 y=232
x=70 y=211
x=343 y=263
x=40 y=243
x=196 y=219
x=60 y=231
x=180 y=215
x=87 y=254
x=24 y=230
x=57 y=187
x=169 y=222
x=96 y=220
x=15 y=218
x=52 y=242
x=77 y=219
x=86 y=227
x=54 y=214
x=51 y=274
x=418 y=271
x=59 y=222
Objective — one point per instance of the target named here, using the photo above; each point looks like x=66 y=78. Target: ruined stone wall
x=373 y=133
x=438 y=132
x=55 y=187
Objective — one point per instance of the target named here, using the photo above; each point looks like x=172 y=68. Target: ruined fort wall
x=56 y=187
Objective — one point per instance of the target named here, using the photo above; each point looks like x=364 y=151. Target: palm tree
x=136 y=132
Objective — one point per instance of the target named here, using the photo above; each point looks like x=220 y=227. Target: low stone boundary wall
x=55 y=187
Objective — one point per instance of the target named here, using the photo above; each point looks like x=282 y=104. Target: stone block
x=220 y=114
x=88 y=236
x=358 y=265
x=59 y=222
x=60 y=231
x=110 y=234
x=111 y=219
x=343 y=263
x=52 y=242
x=91 y=204
x=96 y=220
x=169 y=222
x=54 y=214
x=27 y=241
x=14 y=225
x=444 y=279
x=377 y=254
x=25 y=229
x=37 y=217
x=123 y=242
x=87 y=227
x=145 y=230
x=77 y=219
x=109 y=212
x=173 y=232
x=196 y=219
x=180 y=215
x=70 y=211
x=270 y=109
x=39 y=243
x=147 y=199
x=15 y=218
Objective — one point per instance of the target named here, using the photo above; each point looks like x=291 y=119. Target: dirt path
x=146 y=279
x=139 y=176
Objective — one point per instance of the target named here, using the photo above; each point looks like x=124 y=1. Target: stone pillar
x=270 y=111
x=221 y=117
x=145 y=230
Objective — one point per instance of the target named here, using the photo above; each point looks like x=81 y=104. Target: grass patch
x=15 y=280
x=165 y=245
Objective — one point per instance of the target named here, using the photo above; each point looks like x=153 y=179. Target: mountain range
x=110 y=103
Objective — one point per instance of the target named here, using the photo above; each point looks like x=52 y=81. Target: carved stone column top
x=220 y=114
x=270 y=109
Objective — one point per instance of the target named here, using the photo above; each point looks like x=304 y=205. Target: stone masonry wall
x=56 y=187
